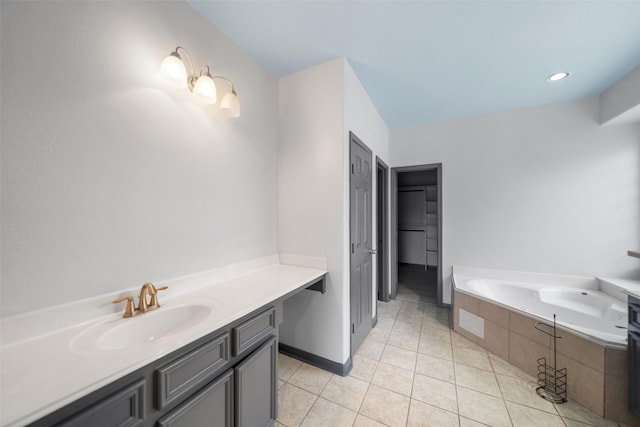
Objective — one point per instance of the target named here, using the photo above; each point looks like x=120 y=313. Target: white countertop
x=40 y=371
x=626 y=286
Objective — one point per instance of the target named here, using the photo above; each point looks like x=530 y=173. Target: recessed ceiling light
x=558 y=76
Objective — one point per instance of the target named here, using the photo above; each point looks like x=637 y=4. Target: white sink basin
x=144 y=329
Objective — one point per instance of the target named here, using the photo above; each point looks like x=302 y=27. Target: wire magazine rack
x=552 y=382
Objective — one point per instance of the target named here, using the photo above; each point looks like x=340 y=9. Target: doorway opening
x=382 y=229
x=416 y=245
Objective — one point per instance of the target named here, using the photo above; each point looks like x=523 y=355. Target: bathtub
x=501 y=311
x=591 y=312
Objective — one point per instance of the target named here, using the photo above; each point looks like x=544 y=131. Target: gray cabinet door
x=257 y=387
x=361 y=270
x=210 y=407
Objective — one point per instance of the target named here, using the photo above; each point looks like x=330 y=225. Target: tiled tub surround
x=41 y=372
x=596 y=370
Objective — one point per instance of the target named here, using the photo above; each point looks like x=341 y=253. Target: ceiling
x=428 y=61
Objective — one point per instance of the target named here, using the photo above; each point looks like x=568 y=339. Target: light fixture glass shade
x=173 y=71
x=205 y=89
x=231 y=103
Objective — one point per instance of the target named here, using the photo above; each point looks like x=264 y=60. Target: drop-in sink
x=143 y=329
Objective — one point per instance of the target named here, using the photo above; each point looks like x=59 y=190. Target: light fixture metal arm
x=191 y=78
x=233 y=88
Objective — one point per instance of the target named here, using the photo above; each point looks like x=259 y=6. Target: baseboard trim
x=341 y=369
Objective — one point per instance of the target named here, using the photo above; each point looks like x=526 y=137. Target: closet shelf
x=421 y=228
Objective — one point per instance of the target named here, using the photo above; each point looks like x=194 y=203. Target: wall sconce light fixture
x=174 y=73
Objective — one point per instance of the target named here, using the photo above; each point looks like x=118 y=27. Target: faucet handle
x=154 y=296
x=129 y=311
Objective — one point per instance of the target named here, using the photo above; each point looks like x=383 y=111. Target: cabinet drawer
x=212 y=406
x=186 y=374
x=123 y=408
x=254 y=330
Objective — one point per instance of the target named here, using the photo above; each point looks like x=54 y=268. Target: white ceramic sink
x=143 y=329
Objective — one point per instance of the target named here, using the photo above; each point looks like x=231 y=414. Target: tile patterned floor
x=412 y=370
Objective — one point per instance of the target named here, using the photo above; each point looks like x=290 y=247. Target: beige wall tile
x=582 y=350
x=496 y=339
x=617 y=401
x=525 y=326
x=524 y=353
x=493 y=313
x=466 y=302
x=585 y=385
x=501 y=366
x=616 y=362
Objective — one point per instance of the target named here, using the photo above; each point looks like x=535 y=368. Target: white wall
x=318 y=108
x=620 y=104
x=310 y=215
x=542 y=189
x=110 y=179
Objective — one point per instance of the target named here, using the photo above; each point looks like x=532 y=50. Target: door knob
x=373 y=251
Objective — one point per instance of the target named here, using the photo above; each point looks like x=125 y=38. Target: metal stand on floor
x=552 y=382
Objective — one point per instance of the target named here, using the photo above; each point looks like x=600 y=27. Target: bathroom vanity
x=209 y=353
x=227 y=378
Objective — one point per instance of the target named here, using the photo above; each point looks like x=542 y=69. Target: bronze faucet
x=144 y=305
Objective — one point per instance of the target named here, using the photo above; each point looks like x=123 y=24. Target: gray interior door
x=360 y=244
